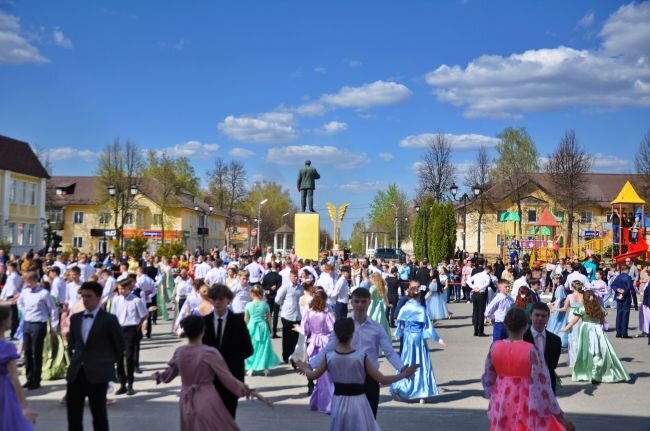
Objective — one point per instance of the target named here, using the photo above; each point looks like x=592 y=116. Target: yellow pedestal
x=307 y=231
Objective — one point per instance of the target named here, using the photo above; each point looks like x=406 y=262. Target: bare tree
x=119 y=167
x=567 y=166
x=162 y=169
x=236 y=189
x=436 y=174
x=479 y=176
x=642 y=162
x=218 y=179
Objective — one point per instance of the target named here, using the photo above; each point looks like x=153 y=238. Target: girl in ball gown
x=573 y=302
x=559 y=319
x=257 y=315
x=437 y=298
x=378 y=301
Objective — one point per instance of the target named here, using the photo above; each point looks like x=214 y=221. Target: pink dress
x=517 y=382
x=201 y=405
x=317 y=327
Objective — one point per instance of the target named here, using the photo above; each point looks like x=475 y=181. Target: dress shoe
x=130 y=391
x=626 y=336
x=618 y=336
x=275 y=336
x=26 y=385
x=121 y=390
x=483 y=335
x=138 y=370
x=34 y=387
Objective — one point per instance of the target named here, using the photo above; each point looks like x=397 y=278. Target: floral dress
x=517 y=383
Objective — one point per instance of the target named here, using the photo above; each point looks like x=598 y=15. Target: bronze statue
x=306 y=184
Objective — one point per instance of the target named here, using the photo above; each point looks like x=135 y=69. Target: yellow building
x=592 y=216
x=87 y=224
x=22 y=196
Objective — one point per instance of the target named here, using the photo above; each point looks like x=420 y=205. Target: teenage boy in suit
x=227 y=332
x=547 y=342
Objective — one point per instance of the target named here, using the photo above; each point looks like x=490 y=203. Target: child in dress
x=15 y=414
x=348 y=368
x=257 y=316
x=198 y=364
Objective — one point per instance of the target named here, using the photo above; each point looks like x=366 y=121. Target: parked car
x=390 y=254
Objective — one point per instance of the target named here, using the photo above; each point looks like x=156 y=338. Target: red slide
x=634 y=251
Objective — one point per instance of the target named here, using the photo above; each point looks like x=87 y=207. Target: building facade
x=88 y=224
x=23 y=181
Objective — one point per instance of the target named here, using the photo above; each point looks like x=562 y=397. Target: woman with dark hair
x=198 y=364
x=525 y=299
x=517 y=383
x=596 y=360
x=318 y=324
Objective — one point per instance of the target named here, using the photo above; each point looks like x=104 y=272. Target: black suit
x=235 y=348
x=92 y=366
x=551 y=352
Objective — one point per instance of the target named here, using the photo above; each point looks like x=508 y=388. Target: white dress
x=350 y=412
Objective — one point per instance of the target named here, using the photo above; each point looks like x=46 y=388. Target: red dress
x=517 y=382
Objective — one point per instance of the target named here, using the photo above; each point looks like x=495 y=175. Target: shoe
x=121 y=390
x=34 y=387
x=626 y=336
x=249 y=373
x=483 y=335
x=618 y=336
x=275 y=336
x=138 y=370
x=26 y=385
x=130 y=391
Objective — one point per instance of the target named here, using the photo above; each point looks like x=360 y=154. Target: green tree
x=161 y=167
x=517 y=159
x=441 y=232
x=356 y=237
x=278 y=203
x=137 y=245
x=420 y=229
x=386 y=206
x=186 y=176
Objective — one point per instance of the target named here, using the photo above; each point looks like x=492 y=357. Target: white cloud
x=615 y=75
x=378 y=93
x=587 y=20
x=69 y=153
x=334 y=127
x=241 y=153
x=457 y=142
x=387 y=157
x=190 y=149
x=323 y=156
x=353 y=63
x=320 y=69
x=15 y=48
x=61 y=39
x=416 y=167
x=363 y=186
x=270 y=127
x=608 y=163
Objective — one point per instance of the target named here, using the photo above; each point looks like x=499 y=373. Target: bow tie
x=88 y=315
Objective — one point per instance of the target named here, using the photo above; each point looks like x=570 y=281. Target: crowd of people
x=84 y=317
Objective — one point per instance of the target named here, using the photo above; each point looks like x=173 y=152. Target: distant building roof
x=285 y=228
x=17 y=156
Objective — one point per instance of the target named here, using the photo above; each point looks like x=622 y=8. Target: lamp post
x=259 y=219
x=202 y=230
x=123 y=199
x=465 y=198
x=282 y=219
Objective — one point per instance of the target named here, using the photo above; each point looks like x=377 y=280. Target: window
x=31 y=189
x=78 y=217
x=586 y=217
x=532 y=216
x=608 y=215
x=128 y=218
x=104 y=218
x=20 y=234
x=11 y=235
x=77 y=242
x=157 y=219
x=55 y=216
x=13 y=191
x=30 y=235
x=22 y=192
x=139 y=217
x=499 y=240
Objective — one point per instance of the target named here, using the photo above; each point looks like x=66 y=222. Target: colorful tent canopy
x=628 y=195
x=547 y=219
x=557 y=217
x=543 y=230
x=509 y=216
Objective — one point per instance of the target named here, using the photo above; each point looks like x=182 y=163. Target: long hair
x=378 y=281
x=524 y=296
x=592 y=306
x=319 y=301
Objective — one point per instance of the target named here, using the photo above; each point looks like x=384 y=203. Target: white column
x=284 y=241
x=4 y=204
x=38 y=234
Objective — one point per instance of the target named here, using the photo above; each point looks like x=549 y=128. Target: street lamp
x=283 y=216
x=464 y=198
x=259 y=219
x=202 y=230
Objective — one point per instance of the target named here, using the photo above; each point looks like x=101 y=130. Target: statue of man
x=306 y=184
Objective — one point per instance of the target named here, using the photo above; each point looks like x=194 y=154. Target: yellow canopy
x=628 y=195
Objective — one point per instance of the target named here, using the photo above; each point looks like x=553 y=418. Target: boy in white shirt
x=498 y=308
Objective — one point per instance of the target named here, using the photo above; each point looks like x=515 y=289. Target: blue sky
x=354 y=86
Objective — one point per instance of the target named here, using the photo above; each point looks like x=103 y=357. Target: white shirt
x=86 y=271
x=241 y=297
x=480 y=280
x=540 y=339
x=147 y=287
x=72 y=293
x=216 y=276
x=576 y=275
x=288 y=298
x=37 y=305
x=87 y=322
x=129 y=310
x=122 y=276
x=58 y=289
x=341 y=291
x=201 y=269
x=12 y=286
x=224 y=319
x=109 y=288
x=62 y=267
x=327 y=283
x=255 y=271
x=285 y=275
x=499 y=307
x=184 y=288
x=521 y=281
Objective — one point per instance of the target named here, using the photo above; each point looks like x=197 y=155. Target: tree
x=441 y=232
x=278 y=203
x=437 y=172
x=50 y=189
x=355 y=242
x=325 y=240
x=479 y=176
x=387 y=205
x=421 y=227
x=119 y=167
x=642 y=162
x=185 y=175
x=517 y=159
x=217 y=180
x=567 y=167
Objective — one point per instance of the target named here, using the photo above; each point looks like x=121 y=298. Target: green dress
x=595 y=357
x=263 y=356
x=377 y=311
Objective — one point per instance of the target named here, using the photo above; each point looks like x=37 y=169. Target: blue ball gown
x=559 y=319
x=414 y=325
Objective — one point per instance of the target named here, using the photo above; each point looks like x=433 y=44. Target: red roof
x=547 y=219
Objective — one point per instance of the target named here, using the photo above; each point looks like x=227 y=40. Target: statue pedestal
x=307 y=234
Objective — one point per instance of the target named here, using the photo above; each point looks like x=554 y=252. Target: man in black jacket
x=227 y=332
x=547 y=342
x=271 y=284
x=96 y=343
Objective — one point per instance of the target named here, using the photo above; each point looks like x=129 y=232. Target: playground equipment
x=625 y=244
